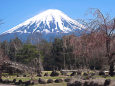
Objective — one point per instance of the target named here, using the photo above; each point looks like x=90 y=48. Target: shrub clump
x=27 y=83
x=24 y=75
x=73 y=74
x=46 y=74
x=14 y=81
x=39 y=75
x=67 y=80
x=50 y=81
x=101 y=73
x=54 y=73
x=76 y=83
x=58 y=80
x=20 y=81
x=42 y=81
x=63 y=73
x=1 y=80
x=107 y=82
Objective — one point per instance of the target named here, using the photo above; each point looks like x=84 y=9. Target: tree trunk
x=111 y=69
x=64 y=61
x=0 y=72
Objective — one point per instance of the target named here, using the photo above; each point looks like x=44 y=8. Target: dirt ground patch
x=6 y=85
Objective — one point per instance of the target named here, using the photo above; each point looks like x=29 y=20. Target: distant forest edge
x=62 y=53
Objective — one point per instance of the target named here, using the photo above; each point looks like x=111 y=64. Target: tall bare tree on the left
x=3 y=57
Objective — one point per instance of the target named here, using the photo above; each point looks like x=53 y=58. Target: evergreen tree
x=27 y=53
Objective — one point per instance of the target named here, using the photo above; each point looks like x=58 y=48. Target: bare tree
x=106 y=27
x=3 y=58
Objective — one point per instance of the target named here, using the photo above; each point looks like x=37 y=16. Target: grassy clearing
x=52 y=84
x=11 y=77
x=108 y=77
x=34 y=78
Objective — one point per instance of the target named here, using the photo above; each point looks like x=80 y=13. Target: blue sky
x=14 y=12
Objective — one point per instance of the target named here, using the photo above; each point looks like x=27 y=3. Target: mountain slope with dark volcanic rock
x=50 y=24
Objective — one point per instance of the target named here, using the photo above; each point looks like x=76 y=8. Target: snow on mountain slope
x=43 y=23
x=49 y=21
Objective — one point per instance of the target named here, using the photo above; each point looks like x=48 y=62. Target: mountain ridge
x=51 y=21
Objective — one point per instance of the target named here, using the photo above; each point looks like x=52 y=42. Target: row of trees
x=69 y=52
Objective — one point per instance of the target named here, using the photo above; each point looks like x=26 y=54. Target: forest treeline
x=68 y=52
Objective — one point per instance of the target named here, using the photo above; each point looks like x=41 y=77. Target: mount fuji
x=50 y=24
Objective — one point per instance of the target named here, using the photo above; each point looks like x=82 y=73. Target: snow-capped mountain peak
x=49 y=24
x=51 y=20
